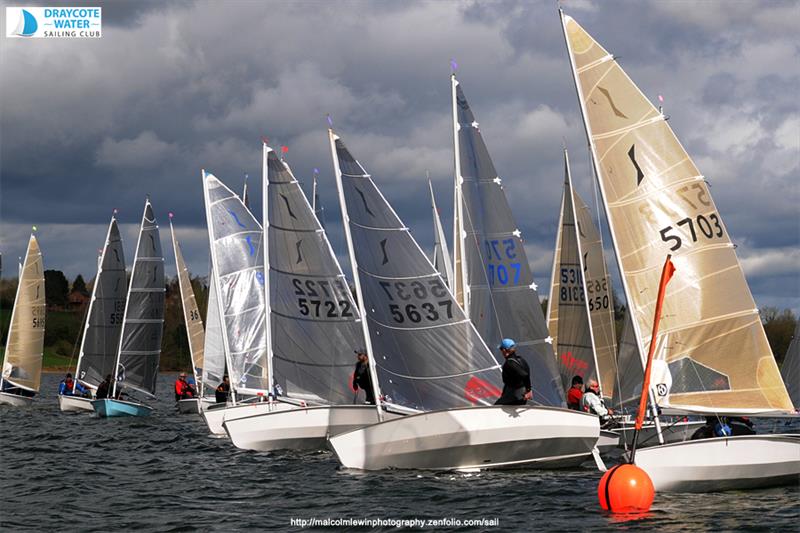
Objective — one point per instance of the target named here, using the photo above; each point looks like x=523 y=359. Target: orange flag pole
x=666 y=275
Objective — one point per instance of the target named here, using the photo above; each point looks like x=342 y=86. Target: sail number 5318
x=708 y=226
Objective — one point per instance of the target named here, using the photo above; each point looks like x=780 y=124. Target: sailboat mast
x=265 y=248
x=373 y=371
x=127 y=301
x=593 y=154
x=215 y=281
x=582 y=267
x=91 y=302
x=459 y=235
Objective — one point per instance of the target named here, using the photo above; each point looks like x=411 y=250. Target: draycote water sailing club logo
x=54 y=22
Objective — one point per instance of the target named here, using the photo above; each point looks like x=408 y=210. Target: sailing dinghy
x=139 y=349
x=712 y=355
x=430 y=360
x=103 y=327
x=194 y=330
x=314 y=328
x=22 y=361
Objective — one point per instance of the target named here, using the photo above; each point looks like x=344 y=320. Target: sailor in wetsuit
x=516 y=376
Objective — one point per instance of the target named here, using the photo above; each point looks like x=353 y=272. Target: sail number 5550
x=693 y=227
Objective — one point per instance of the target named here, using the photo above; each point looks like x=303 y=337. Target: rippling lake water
x=165 y=473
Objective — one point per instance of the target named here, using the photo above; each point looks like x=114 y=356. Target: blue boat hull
x=108 y=408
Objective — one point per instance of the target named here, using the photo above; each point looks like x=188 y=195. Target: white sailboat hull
x=723 y=463
x=215 y=416
x=472 y=438
x=299 y=429
x=608 y=441
x=15 y=399
x=648 y=436
x=74 y=404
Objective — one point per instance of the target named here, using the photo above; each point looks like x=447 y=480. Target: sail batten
x=656 y=205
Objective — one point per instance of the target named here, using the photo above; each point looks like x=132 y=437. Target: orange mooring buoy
x=626 y=488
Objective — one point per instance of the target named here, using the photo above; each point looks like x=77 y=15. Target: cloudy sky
x=172 y=87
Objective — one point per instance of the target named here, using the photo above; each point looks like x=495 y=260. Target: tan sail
x=600 y=301
x=191 y=313
x=22 y=366
x=716 y=357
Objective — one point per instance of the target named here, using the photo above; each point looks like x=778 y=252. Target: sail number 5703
x=693 y=228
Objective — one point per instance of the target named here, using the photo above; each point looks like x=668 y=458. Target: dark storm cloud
x=173 y=87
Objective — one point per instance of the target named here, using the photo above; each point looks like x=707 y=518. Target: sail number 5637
x=708 y=226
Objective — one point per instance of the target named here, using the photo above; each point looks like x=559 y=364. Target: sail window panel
x=746 y=378
x=584 y=48
x=242 y=252
x=421 y=302
x=301 y=253
x=147 y=305
x=242 y=291
x=389 y=253
x=288 y=208
x=312 y=298
x=412 y=361
x=141 y=337
x=366 y=205
x=231 y=217
x=315 y=359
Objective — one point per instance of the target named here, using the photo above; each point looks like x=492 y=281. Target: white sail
x=717 y=358
x=441 y=255
x=427 y=352
x=315 y=322
x=238 y=274
x=22 y=364
x=213 y=345
x=143 y=320
x=500 y=293
x=191 y=314
x=790 y=371
x=101 y=334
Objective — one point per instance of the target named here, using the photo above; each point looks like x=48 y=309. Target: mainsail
x=582 y=327
x=213 y=345
x=713 y=350
x=427 y=352
x=238 y=274
x=143 y=321
x=500 y=294
x=101 y=334
x=22 y=366
x=315 y=322
x=790 y=371
x=191 y=313
x=441 y=256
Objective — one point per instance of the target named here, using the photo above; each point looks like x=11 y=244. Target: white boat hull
x=302 y=428
x=15 y=399
x=215 y=416
x=472 y=438
x=608 y=441
x=677 y=432
x=74 y=404
x=723 y=463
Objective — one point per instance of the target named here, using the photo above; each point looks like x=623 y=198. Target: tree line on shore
x=67 y=306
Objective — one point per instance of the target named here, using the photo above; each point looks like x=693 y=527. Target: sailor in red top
x=183 y=389
x=575 y=393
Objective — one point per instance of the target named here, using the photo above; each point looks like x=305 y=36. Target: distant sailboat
x=314 y=328
x=103 y=327
x=139 y=351
x=22 y=361
x=441 y=256
x=430 y=360
x=712 y=356
x=194 y=328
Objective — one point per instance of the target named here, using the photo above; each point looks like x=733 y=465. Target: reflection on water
x=165 y=473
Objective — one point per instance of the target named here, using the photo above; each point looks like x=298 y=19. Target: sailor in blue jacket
x=69 y=387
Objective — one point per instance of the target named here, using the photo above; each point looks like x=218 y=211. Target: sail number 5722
x=692 y=227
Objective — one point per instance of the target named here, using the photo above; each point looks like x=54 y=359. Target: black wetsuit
x=516 y=381
x=103 y=391
x=362 y=379
x=222 y=392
